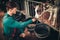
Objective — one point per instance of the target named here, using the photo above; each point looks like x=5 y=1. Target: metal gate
x=44 y=12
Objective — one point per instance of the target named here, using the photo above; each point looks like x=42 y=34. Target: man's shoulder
x=6 y=16
x=7 y=19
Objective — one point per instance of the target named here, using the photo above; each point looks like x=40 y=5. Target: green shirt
x=9 y=24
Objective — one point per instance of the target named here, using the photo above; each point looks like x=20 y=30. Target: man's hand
x=26 y=33
x=34 y=19
x=22 y=35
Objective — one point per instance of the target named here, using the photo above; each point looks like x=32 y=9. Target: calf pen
x=47 y=14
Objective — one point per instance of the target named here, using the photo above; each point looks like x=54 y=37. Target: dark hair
x=11 y=5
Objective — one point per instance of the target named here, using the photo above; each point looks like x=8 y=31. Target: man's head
x=12 y=7
x=1 y=11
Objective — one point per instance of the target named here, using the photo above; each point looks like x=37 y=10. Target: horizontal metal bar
x=34 y=1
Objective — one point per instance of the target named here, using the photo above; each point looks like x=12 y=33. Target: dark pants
x=7 y=37
x=15 y=37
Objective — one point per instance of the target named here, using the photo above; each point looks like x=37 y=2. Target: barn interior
x=47 y=27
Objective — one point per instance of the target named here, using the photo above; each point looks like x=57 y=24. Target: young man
x=1 y=11
x=9 y=23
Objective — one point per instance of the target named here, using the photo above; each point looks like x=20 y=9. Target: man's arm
x=14 y=24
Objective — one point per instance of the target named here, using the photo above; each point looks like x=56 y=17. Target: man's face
x=1 y=13
x=14 y=10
